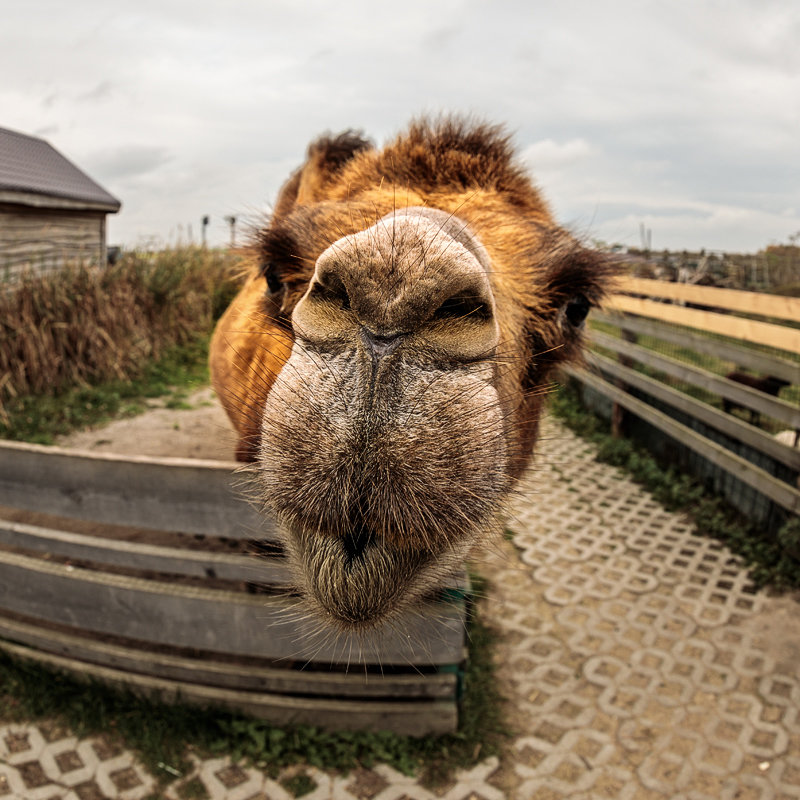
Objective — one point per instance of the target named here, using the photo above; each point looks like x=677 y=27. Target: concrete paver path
x=637 y=659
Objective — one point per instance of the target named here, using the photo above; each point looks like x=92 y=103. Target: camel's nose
x=411 y=275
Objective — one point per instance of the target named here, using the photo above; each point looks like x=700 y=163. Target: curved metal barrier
x=156 y=574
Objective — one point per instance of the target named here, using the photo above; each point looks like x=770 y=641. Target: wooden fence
x=673 y=404
x=156 y=574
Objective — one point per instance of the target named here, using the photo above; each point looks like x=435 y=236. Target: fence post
x=618 y=414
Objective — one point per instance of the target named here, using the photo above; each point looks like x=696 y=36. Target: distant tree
x=783 y=263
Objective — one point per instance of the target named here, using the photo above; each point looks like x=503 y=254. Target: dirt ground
x=201 y=431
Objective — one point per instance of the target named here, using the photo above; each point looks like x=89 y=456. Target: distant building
x=51 y=213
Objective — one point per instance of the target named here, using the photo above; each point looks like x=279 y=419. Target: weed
x=85 y=326
x=193 y=790
x=770 y=562
x=789 y=537
x=299 y=784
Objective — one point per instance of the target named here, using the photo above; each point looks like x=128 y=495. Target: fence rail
x=755 y=360
x=678 y=401
x=748 y=330
x=765 y=305
x=155 y=574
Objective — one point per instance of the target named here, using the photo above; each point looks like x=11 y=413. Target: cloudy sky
x=683 y=116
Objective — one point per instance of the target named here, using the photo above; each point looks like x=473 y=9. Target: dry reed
x=84 y=325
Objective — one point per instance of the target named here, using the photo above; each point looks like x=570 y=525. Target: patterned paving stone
x=638 y=660
x=365 y=784
x=664 y=640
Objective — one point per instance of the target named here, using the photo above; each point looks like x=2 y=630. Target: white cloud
x=548 y=154
x=625 y=111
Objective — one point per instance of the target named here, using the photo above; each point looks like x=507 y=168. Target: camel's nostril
x=380 y=345
x=332 y=291
x=464 y=306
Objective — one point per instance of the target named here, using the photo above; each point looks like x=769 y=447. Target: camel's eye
x=577 y=309
x=274 y=283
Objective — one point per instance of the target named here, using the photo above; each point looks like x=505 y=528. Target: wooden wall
x=47 y=239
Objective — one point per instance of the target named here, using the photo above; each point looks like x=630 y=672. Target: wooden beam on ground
x=778 y=336
x=757 y=303
x=779 y=492
x=755 y=360
x=787 y=413
x=100 y=551
x=178 y=494
x=244 y=675
x=233 y=623
x=409 y=718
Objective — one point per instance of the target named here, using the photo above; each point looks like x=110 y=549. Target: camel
x=387 y=362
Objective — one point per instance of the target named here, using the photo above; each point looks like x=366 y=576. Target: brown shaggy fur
x=387 y=361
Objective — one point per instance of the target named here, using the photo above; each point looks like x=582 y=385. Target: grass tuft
x=299 y=785
x=41 y=418
x=84 y=326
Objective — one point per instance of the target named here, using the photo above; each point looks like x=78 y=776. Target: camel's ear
x=572 y=271
x=281 y=265
x=324 y=158
x=287 y=196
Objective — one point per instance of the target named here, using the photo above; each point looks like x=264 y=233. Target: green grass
x=770 y=561
x=163 y=735
x=41 y=418
x=193 y=790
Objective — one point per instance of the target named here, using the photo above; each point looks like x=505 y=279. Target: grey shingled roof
x=32 y=165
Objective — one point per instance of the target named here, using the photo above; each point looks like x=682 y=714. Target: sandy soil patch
x=202 y=431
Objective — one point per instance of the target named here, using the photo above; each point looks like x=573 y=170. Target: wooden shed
x=51 y=212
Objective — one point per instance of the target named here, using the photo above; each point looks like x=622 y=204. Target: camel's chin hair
x=370 y=590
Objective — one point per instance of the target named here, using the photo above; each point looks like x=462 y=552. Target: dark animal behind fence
x=768 y=384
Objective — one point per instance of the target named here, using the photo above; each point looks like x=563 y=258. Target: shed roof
x=31 y=166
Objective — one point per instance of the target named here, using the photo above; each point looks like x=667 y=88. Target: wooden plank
x=756 y=360
x=246 y=676
x=132 y=555
x=407 y=718
x=16 y=200
x=178 y=494
x=726 y=423
x=239 y=624
x=779 y=492
x=778 y=336
x=758 y=303
x=752 y=398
